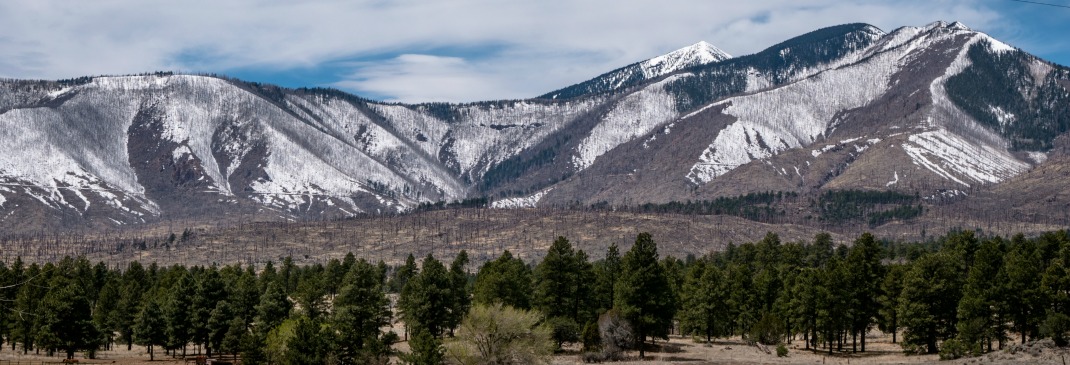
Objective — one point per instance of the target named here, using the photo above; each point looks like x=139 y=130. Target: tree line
x=961 y=294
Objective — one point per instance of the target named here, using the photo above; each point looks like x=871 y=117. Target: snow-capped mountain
x=936 y=111
x=698 y=54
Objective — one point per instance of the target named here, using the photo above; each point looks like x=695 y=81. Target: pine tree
x=1020 y=276
x=864 y=266
x=66 y=318
x=104 y=310
x=236 y=334
x=425 y=349
x=403 y=274
x=703 y=301
x=461 y=297
x=149 y=327
x=177 y=314
x=563 y=289
x=425 y=301
x=273 y=308
x=245 y=295
x=126 y=310
x=218 y=325
x=209 y=291
x=308 y=344
x=26 y=305
x=361 y=310
x=891 y=287
x=505 y=280
x=979 y=320
x=642 y=293
x=929 y=301
x=607 y=270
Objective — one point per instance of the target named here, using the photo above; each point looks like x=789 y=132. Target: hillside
x=940 y=112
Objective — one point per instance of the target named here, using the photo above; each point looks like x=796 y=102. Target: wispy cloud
x=394 y=49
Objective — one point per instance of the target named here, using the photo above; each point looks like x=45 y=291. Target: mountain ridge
x=923 y=110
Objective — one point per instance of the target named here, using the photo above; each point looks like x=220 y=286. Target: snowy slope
x=698 y=54
x=143 y=148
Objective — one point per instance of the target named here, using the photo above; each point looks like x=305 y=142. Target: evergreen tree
x=66 y=318
x=361 y=310
x=105 y=307
x=563 y=288
x=806 y=295
x=642 y=293
x=309 y=295
x=274 y=308
x=929 y=301
x=607 y=270
x=177 y=314
x=461 y=297
x=505 y=280
x=245 y=295
x=149 y=328
x=891 y=287
x=403 y=274
x=308 y=345
x=209 y=291
x=1020 y=276
x=218 y=325
x=26 y=305
x=866 y=271
x=703 y=298
x=424 y=349
x=126 y=310
x=979 y=312
x=425 y=301
x=235 y=336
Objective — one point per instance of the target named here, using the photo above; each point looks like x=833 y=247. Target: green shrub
x=781 y=351
x=953 y=349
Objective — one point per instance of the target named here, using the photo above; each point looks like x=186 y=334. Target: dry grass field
x=678 y=350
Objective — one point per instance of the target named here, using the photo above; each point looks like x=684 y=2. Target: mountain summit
x=941 y=113
x=701 y=53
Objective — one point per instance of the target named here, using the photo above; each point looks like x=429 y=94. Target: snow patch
x=1005 y=118
x=954 y=158
x=520 y=202
x=633 y=116
x=791 y=116
x=700 y=53
x=1037 y=157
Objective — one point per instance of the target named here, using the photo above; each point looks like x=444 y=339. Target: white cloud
x=537 y=45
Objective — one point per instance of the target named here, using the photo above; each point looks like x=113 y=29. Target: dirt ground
x=879 y=350
x=677 y=350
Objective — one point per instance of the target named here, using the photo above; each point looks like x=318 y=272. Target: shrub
x=500 y=334
x=564 y=330
x=768 y=331
x=953 y=349
x=592 y=341
x=616 y=334
x=1056 y=327
x=781 y=351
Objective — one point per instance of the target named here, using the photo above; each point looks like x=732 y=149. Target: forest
x=962 y=294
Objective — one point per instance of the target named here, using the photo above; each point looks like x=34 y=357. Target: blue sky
x=451 y=50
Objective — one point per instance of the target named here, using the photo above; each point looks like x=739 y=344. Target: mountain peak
x=946 y=25
x=700 y=53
